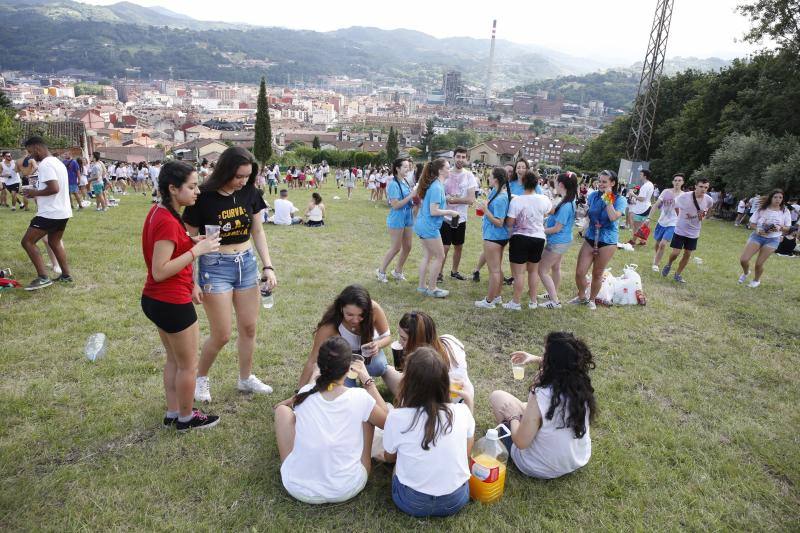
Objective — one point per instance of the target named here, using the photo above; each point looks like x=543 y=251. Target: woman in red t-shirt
x=167 y=295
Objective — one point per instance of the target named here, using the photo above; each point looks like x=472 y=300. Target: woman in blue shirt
x=495 y=235
x=606 y=205
x=558 y=229
x=399 y=220
x=521 y=167
x=429 y=219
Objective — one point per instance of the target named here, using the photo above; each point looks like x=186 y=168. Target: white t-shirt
x=9 y=173
x=754 y=202
x=766 y=217
x=458 y=184
x=284 y=209
x=554 y=452
x=529 y=212
x=742 y=207
x=689 y=219
x=444 y=466
x=55 y=206
x=645 y=191
x=668 y=217
x=325 y=463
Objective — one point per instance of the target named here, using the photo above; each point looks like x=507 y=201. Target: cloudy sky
x=614 y=31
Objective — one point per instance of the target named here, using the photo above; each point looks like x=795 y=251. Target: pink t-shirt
x=690 y=218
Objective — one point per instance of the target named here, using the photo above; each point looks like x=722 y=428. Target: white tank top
x=353 y=339
x=315 y=215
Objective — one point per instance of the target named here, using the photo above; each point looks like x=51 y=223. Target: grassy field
x=698 y=392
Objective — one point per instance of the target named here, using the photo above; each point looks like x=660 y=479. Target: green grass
x=698 y=392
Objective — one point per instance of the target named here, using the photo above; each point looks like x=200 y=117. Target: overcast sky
x=610 y=31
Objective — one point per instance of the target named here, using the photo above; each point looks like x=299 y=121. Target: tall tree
x=262 y=147
x=392 y=149
x=777 y=20
x=315 y=143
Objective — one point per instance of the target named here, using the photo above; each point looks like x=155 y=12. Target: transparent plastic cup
x=212 y=230
x=518 y=371
x=351 y=374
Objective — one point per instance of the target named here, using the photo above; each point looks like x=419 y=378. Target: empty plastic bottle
x=267 y=300
x=96 y=346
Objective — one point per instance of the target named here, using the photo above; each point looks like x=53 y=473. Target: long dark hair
x=333 y=361
x=430 y=173
x=565 y=368
x=524 y=161
x=396 y=166
x=351 y=295
x=570 y=183
x=426 y=387
x=226 y=167
x=766 y=201
x=421 y=331
x=173 y=173
x=499 y=174
x=610 y=174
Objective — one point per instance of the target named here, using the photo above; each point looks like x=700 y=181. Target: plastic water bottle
x=267 y=300
x=487 y=466
x=96 y=346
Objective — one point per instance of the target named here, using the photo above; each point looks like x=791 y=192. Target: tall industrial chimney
x=491 y=63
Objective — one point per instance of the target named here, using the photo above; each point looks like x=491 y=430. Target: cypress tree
x=262 y=147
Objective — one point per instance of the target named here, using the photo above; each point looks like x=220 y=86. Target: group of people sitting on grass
x=285 y=212
x=325 y=431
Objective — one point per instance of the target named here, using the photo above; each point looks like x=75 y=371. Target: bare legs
x=218 y=308
x=180 y=369
x=598 y=265
x=550 y=273
x=400 y=243
x=494 y=259
x=431 y=264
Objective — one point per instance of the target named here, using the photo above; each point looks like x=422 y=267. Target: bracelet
x=515 y=417
x=192 y=252
x=369 y=382
x=268 y=268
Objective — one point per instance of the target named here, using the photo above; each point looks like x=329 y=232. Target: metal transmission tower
x=644 y=113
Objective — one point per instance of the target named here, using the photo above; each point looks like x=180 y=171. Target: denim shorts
x=558 y=248
x=377 y=367
x=220 y=273
x=766 y=242
x=420 y=505
x=663 y=233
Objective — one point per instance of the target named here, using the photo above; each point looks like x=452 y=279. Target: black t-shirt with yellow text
x=233 y=214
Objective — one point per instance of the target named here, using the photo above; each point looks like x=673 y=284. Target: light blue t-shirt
x=499 y=208
x=566 y=217
x=517 y=189
x=609 y=231
x=397 y=190
x=427 y=226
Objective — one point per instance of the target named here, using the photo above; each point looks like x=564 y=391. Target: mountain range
x=154 y=42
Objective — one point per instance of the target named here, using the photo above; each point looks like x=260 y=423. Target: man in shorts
x=9 y=180
x=459 y=188
x=53 y=213
x=693 y=207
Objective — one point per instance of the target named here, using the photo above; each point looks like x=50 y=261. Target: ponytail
x=173 y=173
x=430 y=172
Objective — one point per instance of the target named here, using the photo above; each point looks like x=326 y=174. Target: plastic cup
x=367 y=353
x=479 y=211
x=454 y=222
x=351 y=374
x=212 y=230
x=518 y=371
x=397 y=355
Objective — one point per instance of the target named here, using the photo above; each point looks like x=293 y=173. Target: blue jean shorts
x=220 y=273
x=766 y=242
x=663 y=233
x=558 y=248
x=420 y=505
x=376 y=368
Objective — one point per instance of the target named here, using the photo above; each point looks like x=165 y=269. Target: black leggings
x=172 y=318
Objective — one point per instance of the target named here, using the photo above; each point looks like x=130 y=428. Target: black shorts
x=172 y=318
x=686 y=243
x=13 y=188
x=49 y=225
x=315 y=223
x=501 y=242
x=525 y=249
x=454 y=236
x=600 y=244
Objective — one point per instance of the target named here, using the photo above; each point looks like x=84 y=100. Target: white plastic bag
x=607 y=290
x=625 y=291
x=629 y=272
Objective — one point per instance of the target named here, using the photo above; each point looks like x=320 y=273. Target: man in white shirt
x=9 y=180
x=53 y=212
x=284 y=211
x=460 y=189
x=640 y=202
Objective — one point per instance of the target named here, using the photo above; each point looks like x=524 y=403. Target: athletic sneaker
x=578 y=301
x=476 y=276
x=398 y=276
x=532 y=305
x=381 y=276
x=655 y=268
x=679 y=278
x=550 y=304
x=508 y=281
x=63 y=278
x=440 y=278
x=753 y=284
x=423 y=290
x=591 y=305
x=39 y=283
x=199 y=420
x=438 y=293
x=498 y=300
x=742 y=278
x=483 y=304
x=512 y=306
x=457 y=275
x=665 y=270
x=202 y=392
x=169 y=422
x=253 y=384
x=544 y=296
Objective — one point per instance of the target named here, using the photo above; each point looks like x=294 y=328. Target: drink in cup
x=397 y=355
x=518 y=371
x=212 y=231
x=479 y=211
x=454 y=221
x=351 y=374
x=368 y=352
x=457 y=378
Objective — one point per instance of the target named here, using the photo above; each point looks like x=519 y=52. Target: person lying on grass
x=550 y=433
x=325 y=431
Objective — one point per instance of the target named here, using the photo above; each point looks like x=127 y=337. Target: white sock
x=184 y=419
x=172 y=414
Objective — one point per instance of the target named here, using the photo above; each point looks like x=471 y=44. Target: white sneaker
x=544 y=296
x=381 y=276
x=483 y=304
x=753 y=284
x=578 y=301
x=742 y=278
x=591 y=305
x=202 y=392
x=551 y=305
x=655 y=268
x=253 y=384
x=532 y=305
x=498 y=300
x=512 y=306
x=399 y=276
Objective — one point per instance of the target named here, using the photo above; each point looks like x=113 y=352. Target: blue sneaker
x=665 y=270
x=679 y=278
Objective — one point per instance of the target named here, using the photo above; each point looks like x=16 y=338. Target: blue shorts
x=558 y=248
x=73 y=188
x=220 y=273
x=766 y=242
x=400 y=219
x=663 y=233
x=377 y=367
x=421 y=505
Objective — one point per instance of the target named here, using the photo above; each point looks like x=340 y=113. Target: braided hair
x=334 y=359
x=173 y=173
x=565 y=369
x=500 y=175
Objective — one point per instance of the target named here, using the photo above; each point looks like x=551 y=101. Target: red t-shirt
x=161 y=225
